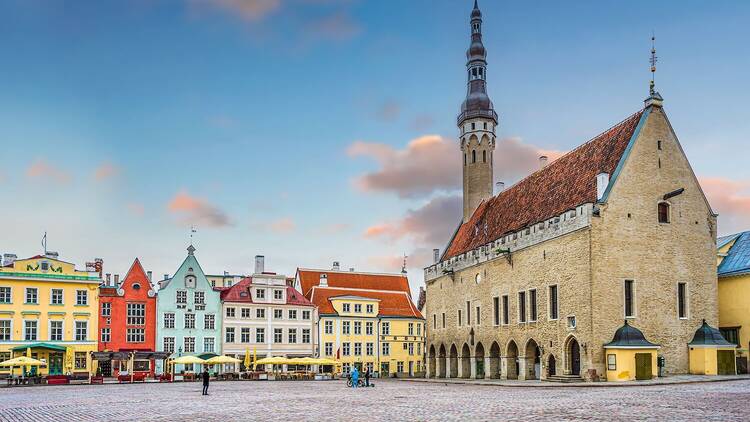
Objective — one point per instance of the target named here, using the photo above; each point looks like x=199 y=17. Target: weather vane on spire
x=653 y=60
x=403 y=268
x=192 y=230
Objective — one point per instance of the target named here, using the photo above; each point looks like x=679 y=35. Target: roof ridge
x=351 y=272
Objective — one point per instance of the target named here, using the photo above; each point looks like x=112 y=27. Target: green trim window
x=611 y=362
x=32 y=295
x=30 y=329
x=5 y=329
x=82 y=297
x=80 y=360
x=55 y=330
x=5 y=295
x=56 y=297
x=82 y=329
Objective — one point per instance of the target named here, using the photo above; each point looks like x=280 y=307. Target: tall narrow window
x=478 y=316
x=663 y=212
x=464 y=158
x=506 y=311
x=484 y=156
x=521 y=306
x=468 y=312
x=496 y=310
x=443 y=319
x=473 y=156
x=553 y=307
x=459 y=317
x=434 y=321
x=629 y=297
x=682 y=300
x=532 y=305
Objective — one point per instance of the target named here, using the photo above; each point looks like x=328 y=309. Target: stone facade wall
x=477 y=176
x=628 y=242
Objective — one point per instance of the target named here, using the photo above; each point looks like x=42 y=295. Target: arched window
x=484 y=156
x=478 y=278
x=473 y=156
x=663 y=212
x=464 y=158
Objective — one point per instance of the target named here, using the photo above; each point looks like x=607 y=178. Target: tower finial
x=653 y=60
x=403 y=268
x=192 y=230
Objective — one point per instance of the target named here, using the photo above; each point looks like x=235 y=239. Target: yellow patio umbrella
x=247 y=358
x=274 y=360
x=22 y=361
x=324 y=361
x=182 y=360
x=255 y=357
x=69 y=356
x=222 y=359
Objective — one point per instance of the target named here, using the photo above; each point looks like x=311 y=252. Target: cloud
x=337 y=27
x=192 y=210
x=432 y=163
x=249 y=10
x=731 y=200
x=44 y=171
x=388 y=111
x=431 y=224
x=106 y=171
x=137 y=209
x=416 y=259
x=283 y=225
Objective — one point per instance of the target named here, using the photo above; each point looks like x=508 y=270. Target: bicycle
x=360 y=382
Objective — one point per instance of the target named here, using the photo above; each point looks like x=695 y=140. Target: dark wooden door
x=643 y=370
x=725 y=360
x=575 y=358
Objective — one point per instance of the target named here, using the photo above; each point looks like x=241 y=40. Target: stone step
x=564 y=378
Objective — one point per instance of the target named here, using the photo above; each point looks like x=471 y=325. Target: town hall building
x=599 y=266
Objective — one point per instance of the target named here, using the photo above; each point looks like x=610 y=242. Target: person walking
x=355 y=377
x=205 y=381
x=367 y=377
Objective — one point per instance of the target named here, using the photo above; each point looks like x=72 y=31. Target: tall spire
x=477 y=102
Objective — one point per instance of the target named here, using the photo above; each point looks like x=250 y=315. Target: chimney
x=109 y=279
x=9 y=259
x=117 y=280
x=260 y=264
x=500 y=186
x=602 y=181
x=166 y=276
x=336 y=266
x=542 y=161
x=436 y=253
x=323 y=280
x=351 y=269
x=150 y=275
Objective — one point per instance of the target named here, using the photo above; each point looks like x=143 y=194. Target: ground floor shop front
x=60 y=358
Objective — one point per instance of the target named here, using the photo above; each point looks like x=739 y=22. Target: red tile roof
x=562 y=185
x=353 y=280
x=392 y=303
x=240 y=293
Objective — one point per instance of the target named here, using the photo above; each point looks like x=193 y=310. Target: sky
x=313 y=131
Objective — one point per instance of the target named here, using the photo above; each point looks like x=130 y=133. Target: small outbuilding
x=630 y=356
x=711 y=353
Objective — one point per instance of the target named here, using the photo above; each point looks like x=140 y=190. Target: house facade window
x=82 y=297
x=245 y=335
x=106 y=309
x=106 y=336
x=345 y=327
x=229 y=334
x=136 y=335
x=521 y=307
x=663 y=210
x=278 y=294
x=181 y=297
x=136 y=314
x=32 y=295
x=169 y=320
x=506 y=310
x=80 y=360
x=306 y=336
x=611 y=362
x=345 y=349
x=56 y=297
x=260 y=313
x=169 y=344
x=329 y=349
x=682 y=300
x=410 y=329
x=278 y=313
x=345 y=307
x=260 y=335
x=328 y=327
x=245 y=313
x=731 y=334
x=230 y=312
x=199 y=298
x=292 y=314
x=208 y=345
x=5 y=330
x=386 y=328
x=370 y=349
x=369 y=328
x=357 y=328
x=30 y=330
x=370 y=308
x=554 y=310
x=306 y=315
x=5 y=294
x=209 y=322
x=292 y=335
x=357 y=308
x=260 y=293
x=188 y=344
x=278 y=335
x=532 y=305
x=190 y=321
x=82 y=329
x=56 y=331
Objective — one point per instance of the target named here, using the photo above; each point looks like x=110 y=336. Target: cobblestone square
x=390 y=400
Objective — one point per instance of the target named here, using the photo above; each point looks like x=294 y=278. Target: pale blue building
x=188 y=313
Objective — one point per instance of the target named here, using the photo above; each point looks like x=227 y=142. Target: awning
x=207 y=356
x=39 y=346
x=140 y=355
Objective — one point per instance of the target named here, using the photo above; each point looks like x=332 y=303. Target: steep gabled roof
x=737 y=261
x=353 y=280
x=240 y=292
x=391 y=303
x=562 y=185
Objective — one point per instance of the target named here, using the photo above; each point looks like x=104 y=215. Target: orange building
x=127 y=324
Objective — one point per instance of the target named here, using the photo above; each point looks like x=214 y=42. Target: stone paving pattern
x=390 y=400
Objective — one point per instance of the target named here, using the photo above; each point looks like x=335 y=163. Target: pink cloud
x=106 y=171
x=249 y=10
x=283 y=225
x=432 y=224
x=418 y=258
x=731 y=200
x=432 y=163
x=337 y=27
x=192 y=210
x=46 y=172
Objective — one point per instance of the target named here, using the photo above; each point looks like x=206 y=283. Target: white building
x=262 y=314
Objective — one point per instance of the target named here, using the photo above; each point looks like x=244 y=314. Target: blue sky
x=259 y=121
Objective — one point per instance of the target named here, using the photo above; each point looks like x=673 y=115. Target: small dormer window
x=45 y=266
x=136 y=286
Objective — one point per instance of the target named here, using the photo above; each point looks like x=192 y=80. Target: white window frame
x=687 y=300
x=52 y=295
x=85 y=296
x=26 y=296
x=85 y=327
x=36 y=334
x=635 y=301
x=62 y=329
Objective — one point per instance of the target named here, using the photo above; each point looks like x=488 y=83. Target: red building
x=127 y=323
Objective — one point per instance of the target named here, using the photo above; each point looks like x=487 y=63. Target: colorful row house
x=366 y=320
x=48 y=311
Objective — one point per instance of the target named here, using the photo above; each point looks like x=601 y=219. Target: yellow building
x=630 y=356
x=733 y=262
x=710 y=353
x=366 y=321
x=48 y=310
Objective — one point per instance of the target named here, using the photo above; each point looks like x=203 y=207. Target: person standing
x=355 y=377
x=367 y=377
x=205 y=381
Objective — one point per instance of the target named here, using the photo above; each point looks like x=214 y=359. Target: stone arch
x=443 y=362
x=511 y=360
x=532 y=360
x=572 y=361
x=465 y=361
x=551 y=365
x=485 y=140
x=494 y=369
x=479 y=360
x=431 y=362
x=453 y=359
